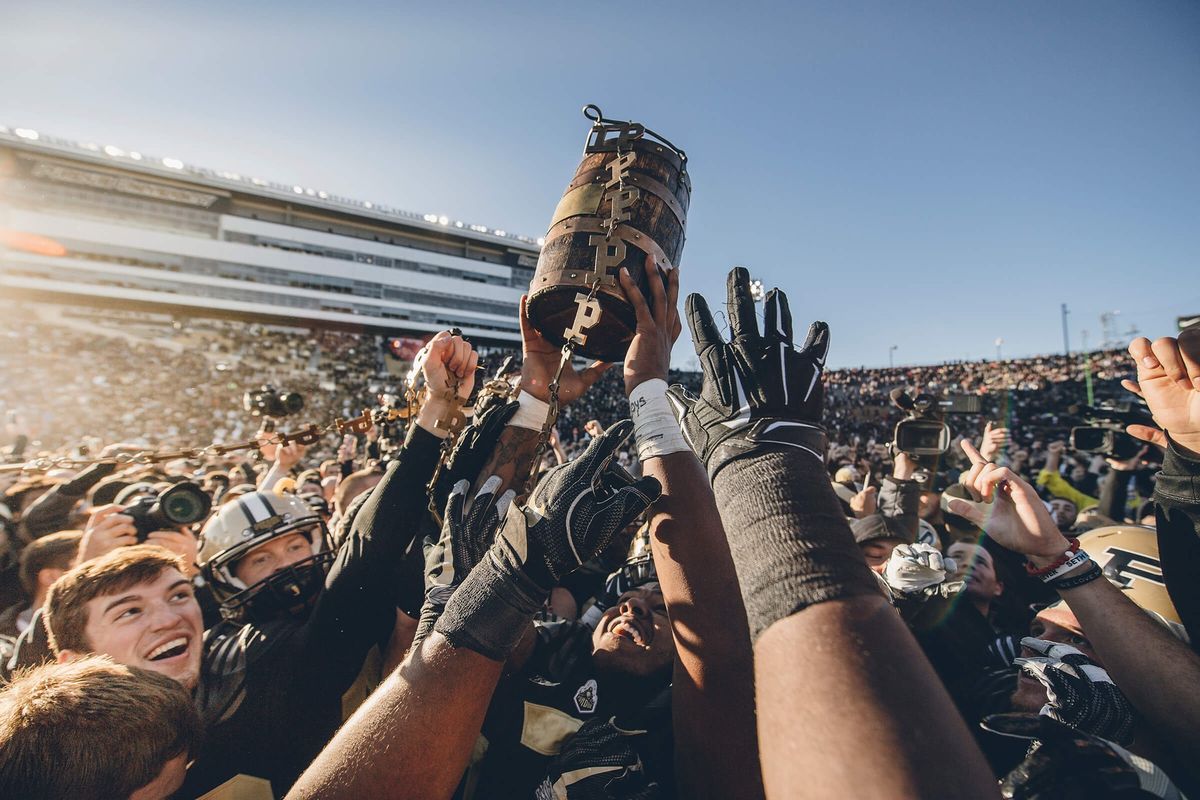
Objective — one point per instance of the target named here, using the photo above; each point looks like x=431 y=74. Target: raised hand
x=919 y=569
x=573 y=512
x=1016 y=518
x=466 y=536
x=465 y=539
x=448 y=364
x=995 y=439
x=289 y=455
x=1168 y=379
x=759 y=390
x=865 y=503
x=106 y=530
x=540 y=361
x=658 y=325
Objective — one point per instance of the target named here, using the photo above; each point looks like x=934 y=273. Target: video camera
x=184 y=503
x=267 y=401
x=924 y=431
x=1105 y=434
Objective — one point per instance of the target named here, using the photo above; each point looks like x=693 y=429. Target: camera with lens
x=1105 y=432
x=924 y=431
x=267 y=401
x=184 y=503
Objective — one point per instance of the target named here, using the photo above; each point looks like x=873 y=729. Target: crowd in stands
x=740 y=582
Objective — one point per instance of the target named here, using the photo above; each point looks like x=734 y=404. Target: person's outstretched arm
x=413 y=737
x=1156 y=671
x=835 y=667
x=713 y=686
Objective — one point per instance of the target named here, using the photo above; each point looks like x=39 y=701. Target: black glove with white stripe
x=759 y=390
x=571 y=515
x=1079 y=693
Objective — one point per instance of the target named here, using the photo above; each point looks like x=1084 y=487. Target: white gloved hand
x=918 y=568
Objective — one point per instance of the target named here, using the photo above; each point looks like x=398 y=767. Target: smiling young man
x=134 y=605
x=300 y=617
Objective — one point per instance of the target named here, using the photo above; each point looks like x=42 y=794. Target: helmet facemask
x=288 y=591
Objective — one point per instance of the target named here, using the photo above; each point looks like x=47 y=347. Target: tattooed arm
x=513 y=458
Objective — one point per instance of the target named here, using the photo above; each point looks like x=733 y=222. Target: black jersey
x=536 y=710
x=271 y=695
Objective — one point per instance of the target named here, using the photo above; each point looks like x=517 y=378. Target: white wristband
x=531 y=412
x=1071 y=563
x=655 y=429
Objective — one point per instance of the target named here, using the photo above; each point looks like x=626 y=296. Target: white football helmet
x=243 y=524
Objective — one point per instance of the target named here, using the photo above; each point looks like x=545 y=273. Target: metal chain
x=568 y=350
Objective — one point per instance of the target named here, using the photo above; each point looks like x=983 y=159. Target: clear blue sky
x=932 y=175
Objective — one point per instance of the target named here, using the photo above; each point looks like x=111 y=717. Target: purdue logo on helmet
x=1129 y=557
x=246 y=523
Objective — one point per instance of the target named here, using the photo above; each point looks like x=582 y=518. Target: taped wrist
x=655 y=429
x=791 y=546
x=490 y=610
x=531 y=412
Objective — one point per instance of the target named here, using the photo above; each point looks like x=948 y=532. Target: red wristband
x=1071 y=550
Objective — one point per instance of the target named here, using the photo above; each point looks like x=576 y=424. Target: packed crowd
x=466 y=606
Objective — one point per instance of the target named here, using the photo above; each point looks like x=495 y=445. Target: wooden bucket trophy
x=629 y=198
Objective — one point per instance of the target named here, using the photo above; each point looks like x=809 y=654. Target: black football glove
x=1067 y=764
x=1079 y=693
x=574 y=512
x=759 y=391
x=571 y=515
x=465 y=538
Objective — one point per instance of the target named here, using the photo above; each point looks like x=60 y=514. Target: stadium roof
x=27 y=137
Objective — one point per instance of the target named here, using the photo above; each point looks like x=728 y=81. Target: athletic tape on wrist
x=656 y=432
x=490 y=610
x=531 y=412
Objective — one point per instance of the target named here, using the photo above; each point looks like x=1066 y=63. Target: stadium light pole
x=1066 y=338
x=891 y=356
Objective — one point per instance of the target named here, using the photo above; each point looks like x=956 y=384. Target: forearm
x=1155 y=670
x=414 y=735
x=711 y=689
x=357 y=607
x=1177 y=497
x=833 y=656
x=900 y=500
x=789 y=541
x=271 y=477
x=845 y=672
x=512 y=460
